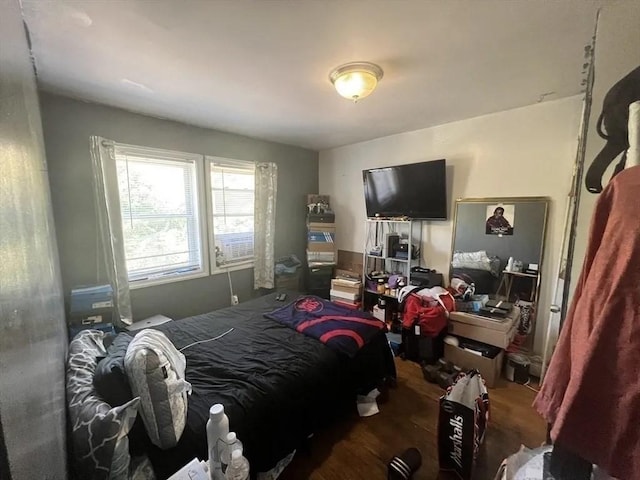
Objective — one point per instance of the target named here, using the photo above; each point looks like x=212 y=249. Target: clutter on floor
x=462 y=422
x=403 y=466
x=536 y=464
x=367 y=405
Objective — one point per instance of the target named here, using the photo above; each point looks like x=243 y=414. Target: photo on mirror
x=500 y=219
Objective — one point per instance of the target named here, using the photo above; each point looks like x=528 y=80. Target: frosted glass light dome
x=356 y=80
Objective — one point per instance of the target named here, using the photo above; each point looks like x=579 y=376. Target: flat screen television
x=415 y=190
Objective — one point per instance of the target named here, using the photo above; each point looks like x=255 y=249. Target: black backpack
x=615 y=118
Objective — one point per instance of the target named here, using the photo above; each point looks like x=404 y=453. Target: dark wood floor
x=359 y=448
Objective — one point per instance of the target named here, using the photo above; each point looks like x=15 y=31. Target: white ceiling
x=260 y=68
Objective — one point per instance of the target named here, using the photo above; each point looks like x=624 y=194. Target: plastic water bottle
x=217 y=431
x=238 y=469
x=509 y=267
x=230 y=444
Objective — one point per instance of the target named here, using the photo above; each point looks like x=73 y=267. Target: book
x=346 y=290
x=344 y=295
x=347 y=282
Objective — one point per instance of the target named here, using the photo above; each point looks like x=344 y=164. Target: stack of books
x=321 y=246
x=346 y=291
x=321 y=232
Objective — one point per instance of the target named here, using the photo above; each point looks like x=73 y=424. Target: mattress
x=278 y=386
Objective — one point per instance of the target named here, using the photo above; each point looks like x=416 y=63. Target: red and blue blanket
x=340 y=328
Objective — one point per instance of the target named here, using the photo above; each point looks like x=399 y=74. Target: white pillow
x=155 y=369
x=476 y=260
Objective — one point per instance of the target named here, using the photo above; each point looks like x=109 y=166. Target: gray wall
x=67 y=126
x=32 y=328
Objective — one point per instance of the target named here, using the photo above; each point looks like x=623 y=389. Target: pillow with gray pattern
x=156 y=371
x=98 y=432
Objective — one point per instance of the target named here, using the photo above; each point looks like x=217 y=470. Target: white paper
x=191 y=471
x=367 y=405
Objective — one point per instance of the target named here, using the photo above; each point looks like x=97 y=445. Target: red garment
x=591 y=393
x=429 y=309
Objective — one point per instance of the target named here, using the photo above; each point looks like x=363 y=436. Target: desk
x=506 y=283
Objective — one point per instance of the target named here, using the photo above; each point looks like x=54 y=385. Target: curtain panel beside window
x=129 y=184
x=265 y=225
x=108 y=214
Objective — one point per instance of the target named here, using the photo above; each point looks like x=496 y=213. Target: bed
x=278 y=386
x=479 y=268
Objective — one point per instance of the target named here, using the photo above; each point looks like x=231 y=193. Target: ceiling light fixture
x=356 y=80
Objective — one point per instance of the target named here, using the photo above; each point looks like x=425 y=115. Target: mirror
x=498 y=245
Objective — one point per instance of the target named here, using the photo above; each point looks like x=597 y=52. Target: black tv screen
x=415 y=190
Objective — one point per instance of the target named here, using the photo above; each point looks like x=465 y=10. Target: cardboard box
x=321 y=247
x=330 y=227
x=345 y=296
x=489 y=368
x=496 y=332
x=349 y=263
x=346 y=286
x=313 y=256
x=322 y=227
x=349 y=274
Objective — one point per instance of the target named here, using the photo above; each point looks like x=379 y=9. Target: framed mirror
x=498 y=245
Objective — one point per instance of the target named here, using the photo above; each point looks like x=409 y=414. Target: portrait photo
x=500 y=219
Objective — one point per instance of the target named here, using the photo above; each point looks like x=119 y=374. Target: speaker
x=390 y=241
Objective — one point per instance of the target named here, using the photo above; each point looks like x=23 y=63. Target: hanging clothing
x=591 y=393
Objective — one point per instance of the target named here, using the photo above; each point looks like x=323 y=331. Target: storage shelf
x=373 y=292
x=378 y=239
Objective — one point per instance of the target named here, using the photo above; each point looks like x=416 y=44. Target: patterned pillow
x=98 y=432
x=156 y=374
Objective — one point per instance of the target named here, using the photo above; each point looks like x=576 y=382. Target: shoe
x=403 y=466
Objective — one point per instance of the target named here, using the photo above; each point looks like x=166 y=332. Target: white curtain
x=110 y=236
x=264 y=225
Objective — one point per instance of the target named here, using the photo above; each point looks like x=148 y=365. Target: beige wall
x=617 y=52
x=528 y=151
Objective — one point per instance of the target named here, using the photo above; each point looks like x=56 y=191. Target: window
x=160 y=198
x=232 y=195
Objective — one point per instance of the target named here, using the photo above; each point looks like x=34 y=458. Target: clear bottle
x=238 y=469
x=217 y=431
x=230 y=444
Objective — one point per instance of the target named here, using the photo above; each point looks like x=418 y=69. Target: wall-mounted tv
x=415 y=190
